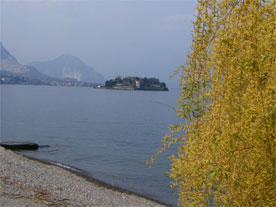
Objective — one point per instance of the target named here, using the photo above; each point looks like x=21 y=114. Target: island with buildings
x=135 y=83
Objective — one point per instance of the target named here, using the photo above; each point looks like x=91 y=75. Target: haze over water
x=145 y=38
x=108 y=133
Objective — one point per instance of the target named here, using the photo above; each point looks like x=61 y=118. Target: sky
x=117 y=38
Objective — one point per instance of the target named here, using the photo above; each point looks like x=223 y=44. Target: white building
x=138 y=84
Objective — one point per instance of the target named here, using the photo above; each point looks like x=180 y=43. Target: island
x=135 y=83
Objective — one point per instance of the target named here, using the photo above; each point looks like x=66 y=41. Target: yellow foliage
x=227 y=148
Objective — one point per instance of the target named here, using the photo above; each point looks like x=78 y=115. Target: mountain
x=5 y=55
x=68 y=66
x=9 y=65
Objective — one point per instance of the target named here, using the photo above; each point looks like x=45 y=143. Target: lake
x=110 y=134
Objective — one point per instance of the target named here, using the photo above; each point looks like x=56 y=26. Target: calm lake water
x=109 y=134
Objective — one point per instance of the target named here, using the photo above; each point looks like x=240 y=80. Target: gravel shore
x=27 y=182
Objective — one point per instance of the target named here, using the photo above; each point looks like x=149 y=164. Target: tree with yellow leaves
x=227 y=146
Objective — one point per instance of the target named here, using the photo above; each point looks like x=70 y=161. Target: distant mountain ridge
x=9 y=65
x=69 y=66
x=5 y=55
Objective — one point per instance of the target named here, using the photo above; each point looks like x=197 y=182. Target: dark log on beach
x=19 y=145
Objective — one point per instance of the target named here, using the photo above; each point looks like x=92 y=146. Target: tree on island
x=226 y=145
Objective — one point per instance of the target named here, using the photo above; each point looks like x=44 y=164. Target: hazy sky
x=141 y=38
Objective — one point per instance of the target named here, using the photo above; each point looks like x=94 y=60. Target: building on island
x=138 y=84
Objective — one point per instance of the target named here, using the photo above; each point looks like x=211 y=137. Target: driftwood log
x=19 y=145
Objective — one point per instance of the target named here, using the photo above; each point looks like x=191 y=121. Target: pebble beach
x=28 y=182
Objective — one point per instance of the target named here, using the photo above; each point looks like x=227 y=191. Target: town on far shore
x=135 y=83
x=119 y=83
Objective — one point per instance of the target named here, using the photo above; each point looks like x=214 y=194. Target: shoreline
x=134 y=89
x=56 y=178
x=87 y=176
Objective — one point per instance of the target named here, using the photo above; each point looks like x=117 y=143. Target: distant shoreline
x=134 y=89
x=115 y=89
